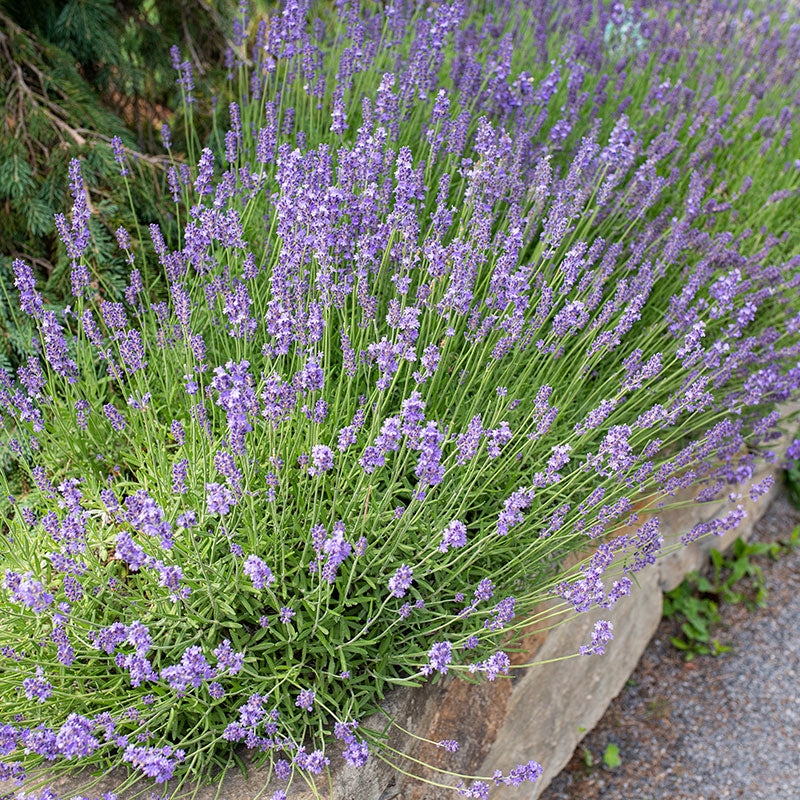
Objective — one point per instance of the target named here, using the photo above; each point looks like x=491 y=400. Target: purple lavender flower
x=511 y=514
x=227 y=659
x=114 y=417
x=356 y=753
x=429 y=469
x=454 y=535
x=286 y=614
x=32 y=377
x=236 y=306
x=145 y=515
x=27 y=591
x=76 y=235
x=192 y=670
x=108 y=638
x=231 y=147
x=131 y=348
x=497 y=664
x=154 y=762
x=602 y=634
x=502 y=613
x=185 y=74
x=530 y=772
x=219 y=499
x=237 y=397
x=616 y=449
x=439 y=657
x=762 y=487
x=180 y=470
x=335 y=549
x=469 y=442
x=312 y=762
x=321 y=459
x=479 y=790
x=177 y=431
x=484 y=590
x=119 y=155
x=258 y=572
x=498 y=437
x=55 y=348
x=38 y=687
x=74 y=737
x=401 y=581
x=305 y=699
x=29 y=299
x=205 y=170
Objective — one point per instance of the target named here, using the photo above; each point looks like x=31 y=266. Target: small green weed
x=611 y=756
x=733 y=579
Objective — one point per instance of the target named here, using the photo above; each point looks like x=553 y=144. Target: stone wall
x=542 y=712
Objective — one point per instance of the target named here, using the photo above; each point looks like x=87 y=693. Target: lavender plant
x=460 y=292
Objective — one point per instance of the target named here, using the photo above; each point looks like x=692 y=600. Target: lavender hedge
x=461 y=290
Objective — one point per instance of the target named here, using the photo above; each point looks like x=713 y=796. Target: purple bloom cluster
x=400 y=582
x=74 y=737
x=454 y=535
x=228 y=659
x=29 y=299
x=38 y=687
x=305 y=699
x=511 y=514
x=356 y=751
x=258 y=572
x=75 y=234
x=321 y=459
x=602 y=634
x=332 y=550
x=114 y=417
x=156 y=763
x=502 y=613
x=313 y=762
x=27 y=591
x=439 y=657
x=219 y=499
x=192 y=670
x=119 y=155
x=497 y=664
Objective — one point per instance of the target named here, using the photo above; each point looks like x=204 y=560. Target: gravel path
x=713 y=728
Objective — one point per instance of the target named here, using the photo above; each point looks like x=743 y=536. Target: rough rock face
x=541 y=713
